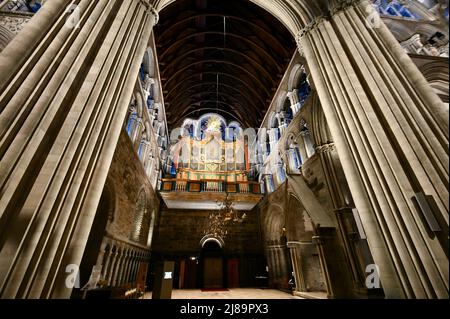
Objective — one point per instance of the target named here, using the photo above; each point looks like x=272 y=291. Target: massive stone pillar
x=297 y=266
x=391 y=134
x=277 y=259
x=66 y=83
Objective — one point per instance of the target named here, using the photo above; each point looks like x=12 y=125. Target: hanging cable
x=217 y=93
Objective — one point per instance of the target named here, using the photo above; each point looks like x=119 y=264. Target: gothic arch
x=271 y=122
x=294 y=16
x=210 y=238
x=139 y=231
x=274 y=223
x=5 y=37
x=436 y=73
x=281 y=101
x=294 y=77
x=148 y=62
x=297 y=219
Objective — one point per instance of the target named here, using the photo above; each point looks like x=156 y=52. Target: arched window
x=139 y=232
x=142 y=72
x=143 y=149
x=307 y=139
x=280 y=173
x=289 y=116
x=270 y=184
x=23 y=6
x=396 y=9
x=295 y=160
x=131 y=123
x=304 y=89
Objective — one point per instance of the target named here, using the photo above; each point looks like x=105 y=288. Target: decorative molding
x=343 y=5
x=12 y=22
x=307 y=29
x=151 y=9
x=335 y=8
x=326 y=148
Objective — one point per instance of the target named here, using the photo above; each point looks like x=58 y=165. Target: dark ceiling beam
x=207 y=97
x=236 y=44
x=257 y=80
x=167 y=48
x=248 y=87
x=228 y=16
x=240 y=53
x=193 y=49
x=249 y=99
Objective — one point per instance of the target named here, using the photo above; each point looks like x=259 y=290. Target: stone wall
x=180 y=232
x=288 y=238
x=177 y=238
x=116 y=212
x=127 y=178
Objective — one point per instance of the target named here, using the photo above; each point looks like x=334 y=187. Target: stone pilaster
x=65 y=95
x=391 y=134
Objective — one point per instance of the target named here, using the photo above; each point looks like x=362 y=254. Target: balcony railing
x=209 y=186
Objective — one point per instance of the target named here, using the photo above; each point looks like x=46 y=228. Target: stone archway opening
x=212 y=265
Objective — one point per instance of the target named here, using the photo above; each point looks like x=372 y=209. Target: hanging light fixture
x=221 y=218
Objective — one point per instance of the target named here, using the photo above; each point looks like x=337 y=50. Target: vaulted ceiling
x=224 y=56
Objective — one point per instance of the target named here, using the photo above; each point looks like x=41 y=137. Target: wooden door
x=213 y=273
x=190 y=274
x=233 y=273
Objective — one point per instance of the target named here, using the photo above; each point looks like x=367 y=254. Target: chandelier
x=219 y=219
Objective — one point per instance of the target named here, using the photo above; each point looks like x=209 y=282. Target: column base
x=311 y=295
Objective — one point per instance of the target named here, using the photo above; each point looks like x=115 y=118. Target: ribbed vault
x=224 y=56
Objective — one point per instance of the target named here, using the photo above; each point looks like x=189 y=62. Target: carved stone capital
x=151 y=9
x=338 y=6
x=343 y=5
x=308 y=28
x=326 y=148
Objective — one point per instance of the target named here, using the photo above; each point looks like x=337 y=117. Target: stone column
x=344 y=214
x=307 y=143
x=128 y=267
x=101 y=255
x=278 y=266
x=296 y=258
x=106 y=264
x=332 y=260
x=120 y=278
x=137 y=133
x=341 y=216
x=295 y=102
x=133 y=267
x=136 y=267
x=391 y=133
x=65 y=95
x=112 y=268
x=118 y=270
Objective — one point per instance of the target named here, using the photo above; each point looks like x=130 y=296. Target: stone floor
x=239 y=293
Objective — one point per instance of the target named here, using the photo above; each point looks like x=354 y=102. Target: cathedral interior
x=295 y=146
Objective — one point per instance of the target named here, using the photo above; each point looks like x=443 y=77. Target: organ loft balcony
x=209 y=161
x=204 y=194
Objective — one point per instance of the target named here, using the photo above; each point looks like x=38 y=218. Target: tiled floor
x=230 y=294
